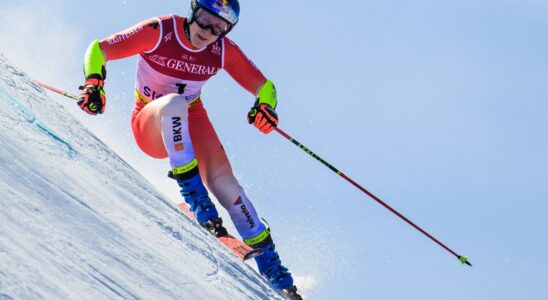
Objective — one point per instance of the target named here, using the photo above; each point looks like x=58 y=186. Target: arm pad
x=94 y=61
x=267 y=94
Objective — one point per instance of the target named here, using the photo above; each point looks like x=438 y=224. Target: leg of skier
x=164 y=128
x=219 y=178
x=161 y=130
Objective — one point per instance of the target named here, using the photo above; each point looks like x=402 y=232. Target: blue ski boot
x=270 y=265
x=196 y=196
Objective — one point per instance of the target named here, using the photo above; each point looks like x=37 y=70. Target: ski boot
x=270 y=266
x=196 y=196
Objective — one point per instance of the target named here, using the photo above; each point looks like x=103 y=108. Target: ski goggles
x=214 y=24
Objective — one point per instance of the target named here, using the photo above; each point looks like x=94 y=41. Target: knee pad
x=175 y=131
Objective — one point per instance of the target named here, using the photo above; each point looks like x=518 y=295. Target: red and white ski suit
x=169 y=119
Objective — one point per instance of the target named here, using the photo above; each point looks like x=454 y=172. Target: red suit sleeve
x=139 y=38
x=242 y=69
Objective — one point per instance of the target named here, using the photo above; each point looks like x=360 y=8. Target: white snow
x=77 y=222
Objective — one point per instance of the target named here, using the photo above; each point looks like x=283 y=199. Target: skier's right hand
x=92 y=99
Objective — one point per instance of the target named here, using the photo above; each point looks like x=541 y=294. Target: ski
x=244 y=252
x=239 y=248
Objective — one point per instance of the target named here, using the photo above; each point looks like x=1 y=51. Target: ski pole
x=73 y=97
x=462 y=259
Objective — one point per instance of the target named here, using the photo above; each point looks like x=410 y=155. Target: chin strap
x=186 y=25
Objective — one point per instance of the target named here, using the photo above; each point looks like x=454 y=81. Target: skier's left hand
x=264 y=117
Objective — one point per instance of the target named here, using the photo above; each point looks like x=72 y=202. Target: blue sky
x=437 y=107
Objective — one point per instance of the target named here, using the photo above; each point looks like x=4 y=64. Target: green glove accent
x=94 y=61
x=267 y=94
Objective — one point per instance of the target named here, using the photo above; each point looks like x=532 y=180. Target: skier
x=177 y=56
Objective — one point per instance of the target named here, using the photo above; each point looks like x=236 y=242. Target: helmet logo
x=229 y=10
x=225 y=10
x=222 y=5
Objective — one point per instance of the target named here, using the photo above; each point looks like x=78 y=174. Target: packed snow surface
x=77 y=222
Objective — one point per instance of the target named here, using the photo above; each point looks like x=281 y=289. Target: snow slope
x=77 y=222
